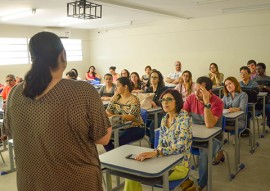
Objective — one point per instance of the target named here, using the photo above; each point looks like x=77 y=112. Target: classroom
x=134 y=34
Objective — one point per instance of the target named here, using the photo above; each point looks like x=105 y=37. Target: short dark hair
x=208 y=82
x=72 y=74
x=147 y=67
x=125 y=81
x=11 y=76
x=245 y=68
x=112 y=68
x=251 y=62
x=262 y=65
x=177 y=96
x=108 y=74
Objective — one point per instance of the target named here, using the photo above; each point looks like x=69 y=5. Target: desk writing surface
x=154 y=167
x=152 y=110
x=202 y=132
x=233 y=115
x=262 y=94
x=217 y=88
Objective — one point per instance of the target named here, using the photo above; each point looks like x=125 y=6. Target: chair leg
x=2 y=158
x=228 y=164
x=258 y=125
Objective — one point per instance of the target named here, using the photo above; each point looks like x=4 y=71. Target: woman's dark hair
x=72 y=74
x=149 y=67
x=128 y=74
x=93 y=73
x=177 y=96
x=139 y=85
x=76 y=71
x=112 y=68
x=160 y=79
x=44 y=48
x=125 y=81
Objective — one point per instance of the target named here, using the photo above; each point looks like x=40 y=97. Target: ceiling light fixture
x=246 y=8
x=83 y=9
x=18 y=15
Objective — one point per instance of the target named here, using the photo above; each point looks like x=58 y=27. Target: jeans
x=127 y=136
x=203 y=162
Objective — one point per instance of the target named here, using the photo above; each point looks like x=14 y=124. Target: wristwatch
x=207 y=106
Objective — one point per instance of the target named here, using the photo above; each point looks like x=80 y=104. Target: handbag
x=145 y=99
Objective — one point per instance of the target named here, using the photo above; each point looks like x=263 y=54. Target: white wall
x=228 y=40
x=16 y=31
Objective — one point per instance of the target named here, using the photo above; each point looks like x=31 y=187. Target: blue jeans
x=127 y=136
x=203 y=162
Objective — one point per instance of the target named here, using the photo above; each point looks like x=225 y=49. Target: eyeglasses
x=168 y=100
x=154 y=77
x=9 y=80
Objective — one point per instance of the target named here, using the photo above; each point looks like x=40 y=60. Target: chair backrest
x=144 y=115
x=252 y=94
x=263 y=82
x=157 y=132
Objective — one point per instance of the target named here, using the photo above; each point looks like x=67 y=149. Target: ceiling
x=50 y=13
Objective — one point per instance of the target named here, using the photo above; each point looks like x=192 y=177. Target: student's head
x=213 y=68
x=186 y=77
x=125 y=73
x=251 y=64
x=91 y=69
x=231 y=85
x=71 y=75
x=204 y=82
x=134 y=77
x=76 y=72
x=171 y=101
x=10 y=80
x=156 y=78
x=178 y=66
x=19 y=79
x=108 y=79
x=245 y=73
x=260 y=69
x=123 y=85
x=112 y=70
x=147 y=70
x=47 y=55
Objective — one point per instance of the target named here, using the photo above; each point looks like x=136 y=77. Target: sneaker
x=185 y=185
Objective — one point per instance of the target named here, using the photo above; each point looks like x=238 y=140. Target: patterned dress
x=54 y=137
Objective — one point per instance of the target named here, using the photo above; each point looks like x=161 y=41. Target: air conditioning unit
x=61 y=32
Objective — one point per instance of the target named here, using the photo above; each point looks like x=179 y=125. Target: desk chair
x=195 y=152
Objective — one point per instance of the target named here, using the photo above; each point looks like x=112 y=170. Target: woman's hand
x=146 y=155
x=233 y=109
x=154 y=105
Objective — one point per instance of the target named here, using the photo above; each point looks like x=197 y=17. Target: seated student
x=234 y=100
x=206 y=109
x=106 y=92
x=185 y=86
x=76 y=72
x=215 y=75
x=175 y=137
x=126 y=105
x=71 y=75
x=251 y=64
x=91 y=74
x=146 y=76
x=136 y=83
x=125 y=73
x=156 y=86
x=260 y=69
x=173 y=78
x=114 y=74
x=246 y=82
x=10 y=83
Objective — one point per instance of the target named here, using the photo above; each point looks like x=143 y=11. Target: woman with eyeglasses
x=185 y=86
x=234 y=100
x=175 y=137
x=106 y=92
x=215 y=75
x=126 y=105
x=157 y=87
x=125 y=73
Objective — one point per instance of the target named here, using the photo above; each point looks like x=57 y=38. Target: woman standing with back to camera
x=55 y=124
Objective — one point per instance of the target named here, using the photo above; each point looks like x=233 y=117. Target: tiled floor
x=255 y=176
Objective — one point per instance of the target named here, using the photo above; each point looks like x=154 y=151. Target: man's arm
x=168 y=80
x=209 y=119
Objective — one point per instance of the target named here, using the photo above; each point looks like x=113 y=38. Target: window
x=13 y=51
x=73 y=49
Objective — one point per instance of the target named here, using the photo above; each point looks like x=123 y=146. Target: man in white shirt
x=173 y=78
